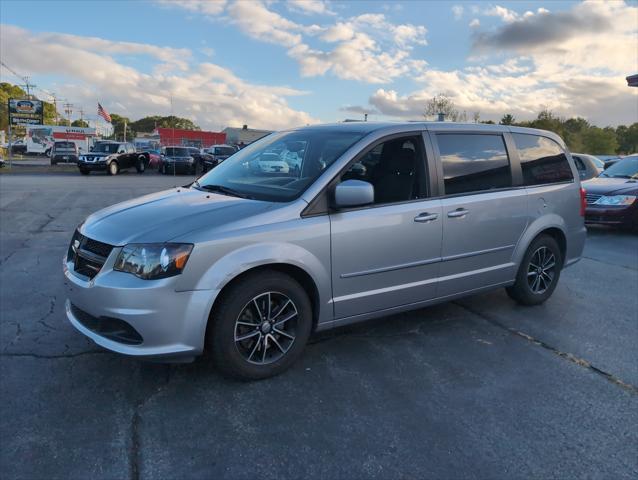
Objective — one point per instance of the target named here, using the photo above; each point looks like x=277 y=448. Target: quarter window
x=542 y=160
x=473 y=163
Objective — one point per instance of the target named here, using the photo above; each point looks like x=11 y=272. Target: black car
x=612 y=197
x=179 y=159
x=113 y=157
x=216 y=155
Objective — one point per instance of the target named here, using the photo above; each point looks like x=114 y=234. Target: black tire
x=54 y=162
x=140 y=166
x=84 y=171
x=113 y=168
x=538 y=274
x=230 y=356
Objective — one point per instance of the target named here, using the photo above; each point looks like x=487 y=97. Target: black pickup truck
x=113 y=157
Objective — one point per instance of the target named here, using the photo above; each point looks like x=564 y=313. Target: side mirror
x=353 y=193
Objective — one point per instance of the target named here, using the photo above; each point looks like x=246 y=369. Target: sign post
x=23 y=112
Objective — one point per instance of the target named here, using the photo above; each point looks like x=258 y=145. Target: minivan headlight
x=151 y=261
x=620 y=200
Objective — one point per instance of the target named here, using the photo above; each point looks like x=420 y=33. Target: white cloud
x=367 y=48
x=457 y=11
x=209 y=94
x=505 y=14
x=310 y=7
x=475 y=22
x=580 y=74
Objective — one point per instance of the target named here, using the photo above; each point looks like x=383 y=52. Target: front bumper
x=101 y=166
x=171 y=324
x=179 y=166
x=613 y=216
x=65 y=158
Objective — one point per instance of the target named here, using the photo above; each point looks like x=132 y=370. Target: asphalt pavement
x=476 y=388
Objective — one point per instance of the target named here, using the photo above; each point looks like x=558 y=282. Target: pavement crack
x=566 y=355
x=607 y=263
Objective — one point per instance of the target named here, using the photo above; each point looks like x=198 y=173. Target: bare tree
x=441 y=104
x=476 y=116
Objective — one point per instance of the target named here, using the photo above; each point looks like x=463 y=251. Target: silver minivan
x=376 y=218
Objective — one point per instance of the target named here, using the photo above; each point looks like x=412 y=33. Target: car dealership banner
x=26 y=112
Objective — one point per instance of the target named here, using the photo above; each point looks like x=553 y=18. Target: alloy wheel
x=265 y=329
x=541 y=270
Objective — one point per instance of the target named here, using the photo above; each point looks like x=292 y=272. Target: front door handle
x=426 y=217
x=459 y=212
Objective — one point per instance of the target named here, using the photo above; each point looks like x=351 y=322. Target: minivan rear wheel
x=260 y=326
x=538 y=273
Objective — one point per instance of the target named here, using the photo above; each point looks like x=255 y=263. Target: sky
x=281 y=64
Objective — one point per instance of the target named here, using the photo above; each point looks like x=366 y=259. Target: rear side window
x=542 y=160
x=579 y=163
x=473 y=163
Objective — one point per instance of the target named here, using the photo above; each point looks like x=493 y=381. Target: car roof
x=395 y=127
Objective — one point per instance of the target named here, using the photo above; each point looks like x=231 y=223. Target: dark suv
x=113 y=157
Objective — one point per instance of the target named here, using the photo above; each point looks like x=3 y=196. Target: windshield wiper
x=224 y=190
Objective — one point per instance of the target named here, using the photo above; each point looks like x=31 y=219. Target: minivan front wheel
x=260 y=326
x=538 y=273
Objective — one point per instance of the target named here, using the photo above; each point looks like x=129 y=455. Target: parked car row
x=612 y=197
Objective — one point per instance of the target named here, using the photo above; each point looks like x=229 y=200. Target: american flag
x=103 y=113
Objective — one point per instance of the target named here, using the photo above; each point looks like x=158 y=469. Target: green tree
x=80 y=123
x=627 y=138
x=118 y=121
x=508 y=119
x=148 y=124
x=601 y=141
x=574 y=132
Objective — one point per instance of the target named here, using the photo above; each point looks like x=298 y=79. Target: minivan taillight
x=583 y=201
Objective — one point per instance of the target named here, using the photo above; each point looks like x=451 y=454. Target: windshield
x=106 y=147
x=625 y=168
x=177 y=152
x=223 y=151
x=64 y=145
x=597 y=161
x=280 y=166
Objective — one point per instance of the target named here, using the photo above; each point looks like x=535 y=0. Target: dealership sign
x=25 y=112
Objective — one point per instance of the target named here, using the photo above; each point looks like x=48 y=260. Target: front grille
x=99 y=248
x=592 y=198
x=88 y=255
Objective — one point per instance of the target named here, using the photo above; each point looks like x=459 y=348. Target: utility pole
x=68 y=109
x=55 y=108
x=81 y=115
x=27 y=85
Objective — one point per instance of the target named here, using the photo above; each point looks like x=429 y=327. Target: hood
x=611 y=186
x=98 y=154
x=162 y=216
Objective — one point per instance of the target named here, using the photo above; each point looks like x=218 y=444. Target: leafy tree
x=507 y=119
x=441 y=103
x=80 y=123
x=627 y=138
x=117 y=121
x=600 y=141
x=148 y=124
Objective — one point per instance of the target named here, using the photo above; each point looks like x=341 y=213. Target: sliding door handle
x=426 y=217
x=459 y=212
